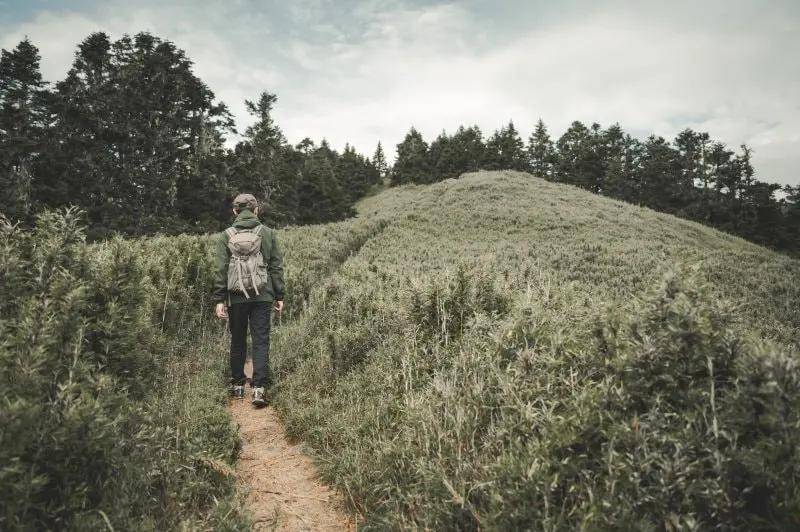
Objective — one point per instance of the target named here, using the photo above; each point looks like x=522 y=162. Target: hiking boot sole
x=259 y=403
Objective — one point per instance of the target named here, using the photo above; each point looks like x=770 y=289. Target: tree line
x=133 y=137
x=692 y=176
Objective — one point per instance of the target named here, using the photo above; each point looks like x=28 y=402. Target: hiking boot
x=259 y=398
x=237 y=391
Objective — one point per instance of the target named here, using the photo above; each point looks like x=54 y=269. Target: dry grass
x=480 y=362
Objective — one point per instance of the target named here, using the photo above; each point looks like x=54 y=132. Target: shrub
x=690 y=427
x=86 y=440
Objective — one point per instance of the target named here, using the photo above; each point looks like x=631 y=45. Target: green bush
x=687 y=426
x=94 y=432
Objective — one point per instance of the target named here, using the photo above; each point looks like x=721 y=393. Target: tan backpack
x=246 y=268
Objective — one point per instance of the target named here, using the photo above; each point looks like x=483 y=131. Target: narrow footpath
x=285 y=492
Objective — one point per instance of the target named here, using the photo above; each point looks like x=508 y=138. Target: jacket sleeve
x=221 y=268
x=275 y=268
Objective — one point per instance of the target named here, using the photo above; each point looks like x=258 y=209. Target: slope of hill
x=498 y=351
x=494 y=351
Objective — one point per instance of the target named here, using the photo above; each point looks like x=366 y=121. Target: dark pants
x=257 y=314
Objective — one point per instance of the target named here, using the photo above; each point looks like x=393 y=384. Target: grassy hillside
x=495 y=351
x=498 y=351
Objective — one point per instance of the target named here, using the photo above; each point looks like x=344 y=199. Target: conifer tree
x=379 y=162
x=305 y=146
x=572 y=148
x=78 y=163
x=353 y=175
x=258 y=165
x=320 y=195
x=622 y=170
x=541 y=152
x=468 y=149
x=411 y=164
x=505 y=150
x=659 y=185
x=131 y=117
x=691 y=147
x=441 y=158
x=22 y=122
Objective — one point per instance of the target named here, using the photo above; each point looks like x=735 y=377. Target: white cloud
x=423 y=67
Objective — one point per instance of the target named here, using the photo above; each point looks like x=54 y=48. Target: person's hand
x=278 y=306
x=221 y=311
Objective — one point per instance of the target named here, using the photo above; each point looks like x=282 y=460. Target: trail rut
x=284 y=490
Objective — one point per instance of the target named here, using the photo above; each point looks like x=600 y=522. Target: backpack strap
x=230 y=232
x=258 y=229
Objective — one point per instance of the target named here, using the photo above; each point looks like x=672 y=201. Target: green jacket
x=273 y=258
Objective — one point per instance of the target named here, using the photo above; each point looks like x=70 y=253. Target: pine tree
x=573 y=149
x=22 y=122
x=623 y=169
x=202 y=190
x=379 y=162
x=505 y=150
x=660 y=176
x=411 y=164
x=258 y=160
x=77 y=160
x=320 y=195
x=691 y=155
x=468 y=149
x=352 y=173
x=541 y=152
x=305 y=146
x=134 y=126
x=441 y=158
x=763 y=220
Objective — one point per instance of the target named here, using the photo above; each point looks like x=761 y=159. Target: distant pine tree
x=259 y=167
x=505 y=150
x=623 y=169
x=23 y=118
x=441 y=158
x=659 y=182
x=468 y=149
x=379 y=162
x=411 y=164
x=541 y=152
x=579 y=162
x=321 y=197
x=353 y=174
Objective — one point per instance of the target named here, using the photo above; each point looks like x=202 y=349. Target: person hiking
x=249 y=285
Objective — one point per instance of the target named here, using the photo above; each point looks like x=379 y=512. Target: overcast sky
x=362 y=71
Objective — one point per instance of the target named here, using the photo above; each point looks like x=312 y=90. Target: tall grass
x=112 y=412
x=112 y=375
x=492 y=352
x=509 y=353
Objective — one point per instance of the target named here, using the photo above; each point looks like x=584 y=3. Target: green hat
x=245 y=201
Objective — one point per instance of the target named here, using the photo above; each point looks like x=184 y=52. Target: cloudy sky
x=364 y=71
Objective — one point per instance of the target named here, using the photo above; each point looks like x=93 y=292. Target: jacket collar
x=246 y=220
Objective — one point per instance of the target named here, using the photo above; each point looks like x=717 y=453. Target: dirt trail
x=285 y=492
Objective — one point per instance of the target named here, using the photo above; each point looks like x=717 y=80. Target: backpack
x=246 y=268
